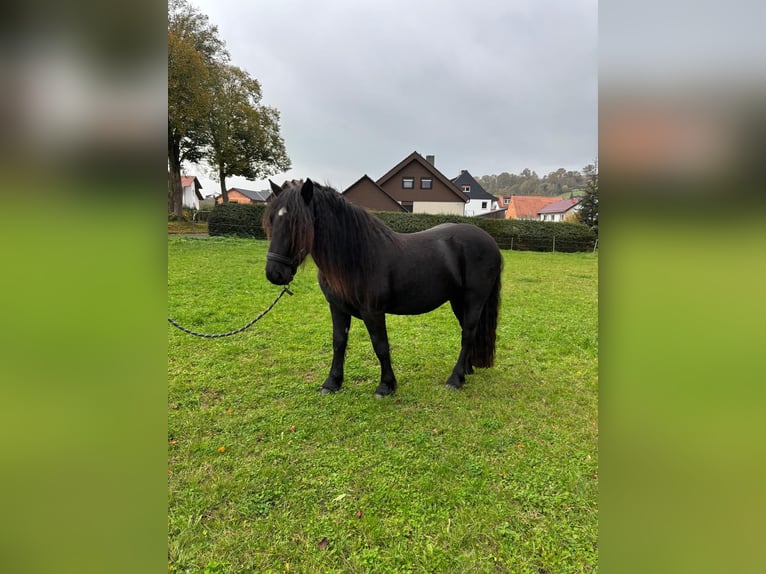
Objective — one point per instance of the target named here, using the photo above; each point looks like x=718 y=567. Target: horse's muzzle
x=278 y=275
x=280 y=270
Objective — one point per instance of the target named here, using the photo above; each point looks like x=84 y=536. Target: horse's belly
x=415 y=302
x=422 y=285
x=405 y=309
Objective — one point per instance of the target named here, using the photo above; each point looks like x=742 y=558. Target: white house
x=479 y=201
x=191 y=194
x=560 y=210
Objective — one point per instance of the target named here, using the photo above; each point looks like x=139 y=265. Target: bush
x=517 y=234
x=240 y=219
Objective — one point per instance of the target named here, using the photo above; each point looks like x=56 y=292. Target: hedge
x=244 y=220
x=517 y=234
x=240 y=219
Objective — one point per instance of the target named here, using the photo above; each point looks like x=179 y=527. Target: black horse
x=367 y=270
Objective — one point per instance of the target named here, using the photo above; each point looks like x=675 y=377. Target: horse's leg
x=471 y=315
x=457 y=309
x=376 y=327
x=341 y=322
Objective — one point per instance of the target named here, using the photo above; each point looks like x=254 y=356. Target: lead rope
x=285 y=289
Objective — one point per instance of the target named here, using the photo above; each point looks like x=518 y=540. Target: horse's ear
x=307 y=191
x=275 y=188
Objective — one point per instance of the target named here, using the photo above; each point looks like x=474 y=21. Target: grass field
x=265 y=474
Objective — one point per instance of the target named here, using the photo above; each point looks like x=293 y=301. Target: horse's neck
x=356 y=226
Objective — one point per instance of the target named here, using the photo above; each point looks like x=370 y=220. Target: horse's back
x=469 y=239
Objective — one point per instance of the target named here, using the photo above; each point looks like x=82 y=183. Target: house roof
x=383 y=196
x=476 y=190
x=428 y=166
x=497 y=214
x=187 y=180
x=252 y=194
x=561 y=206
x=527 y=206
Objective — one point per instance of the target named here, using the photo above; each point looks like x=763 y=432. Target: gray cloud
x=487 y=86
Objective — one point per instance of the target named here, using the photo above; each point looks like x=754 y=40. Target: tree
x=244 y=134
x=588 y=213
x=194 y=48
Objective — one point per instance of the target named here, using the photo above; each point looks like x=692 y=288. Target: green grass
x=501 y=476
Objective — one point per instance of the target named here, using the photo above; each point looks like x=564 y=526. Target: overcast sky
x=484 y=85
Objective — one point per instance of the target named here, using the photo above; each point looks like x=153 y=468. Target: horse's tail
x=483 y=352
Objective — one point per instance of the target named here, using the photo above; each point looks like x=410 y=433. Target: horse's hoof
x=326 y=391
x=453 y=386
x=383 y=392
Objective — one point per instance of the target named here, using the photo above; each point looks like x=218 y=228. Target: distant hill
x=559 y=183
x=573 y=193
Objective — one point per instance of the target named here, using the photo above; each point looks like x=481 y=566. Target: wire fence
x=551 y=244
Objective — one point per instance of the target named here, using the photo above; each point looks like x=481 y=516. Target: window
x=484 y=205
x=426 y=183
x=466 y=188
x=408 y=183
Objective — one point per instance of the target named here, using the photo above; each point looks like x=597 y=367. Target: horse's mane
x=347 y=243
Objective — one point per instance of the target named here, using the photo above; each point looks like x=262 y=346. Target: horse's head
x=289 y=225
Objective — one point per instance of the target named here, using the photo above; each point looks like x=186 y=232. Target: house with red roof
x=241 y=195
x=527 y=206
x=190 y=186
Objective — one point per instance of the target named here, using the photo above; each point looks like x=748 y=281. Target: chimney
x=431 y=159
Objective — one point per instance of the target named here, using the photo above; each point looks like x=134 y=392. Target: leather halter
x=277 y=258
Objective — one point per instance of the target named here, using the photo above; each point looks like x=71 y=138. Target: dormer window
x=466 y=189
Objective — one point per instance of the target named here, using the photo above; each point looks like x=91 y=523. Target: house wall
x=366 y=194
x=566 y=216
x=448 y=207
x=473 y=207
x=189 y=197
x=235 y=197
x=437 y=193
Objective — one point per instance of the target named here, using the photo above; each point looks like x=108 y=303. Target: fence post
x=595 y=244
x=511 y=242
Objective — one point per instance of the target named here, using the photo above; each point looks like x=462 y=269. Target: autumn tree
x=244 y=138
x=194 y=48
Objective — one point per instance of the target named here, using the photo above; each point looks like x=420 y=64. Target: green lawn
x=265 y=474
